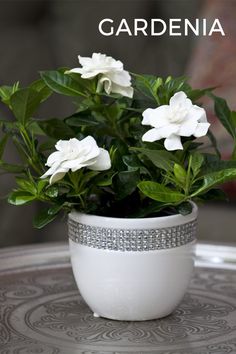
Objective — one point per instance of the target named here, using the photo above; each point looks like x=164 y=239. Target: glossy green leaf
x=41 y=184
x=11 y=168
x=213 y=140
x=212 y=163
x=52 y=191
x=185 y=208
x=56 y=129
x=62 y=83
x=160 y=158
x=180 y=174
x=105 y=179
x=194 y=95
x=20 y=198
x=26 y=185
x=214 y=179
x=197 y=161
x=24 y=103
x=7 y=91
x=3 y=142
x=80 y=120
x=148 y=85
x=224 y=114
x=126 y=183
x=159 y=192
x=44 y=218
x=43 y=90
x=214 y=194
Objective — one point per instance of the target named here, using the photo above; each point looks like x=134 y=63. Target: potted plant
x=128 y=167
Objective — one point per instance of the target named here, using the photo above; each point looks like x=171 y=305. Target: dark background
x=39 y=35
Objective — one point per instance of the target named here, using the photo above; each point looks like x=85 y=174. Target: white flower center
x=177 y=114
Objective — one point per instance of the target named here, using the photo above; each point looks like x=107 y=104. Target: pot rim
x=138 y=223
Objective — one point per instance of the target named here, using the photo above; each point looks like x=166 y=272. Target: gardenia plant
x=130 y=149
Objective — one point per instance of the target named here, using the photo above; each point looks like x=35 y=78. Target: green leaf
x=26 y=185
x=80 y=120
x=105 y=179
x=133 y=163
x=47 y=145
x=44 y=218
x=173 y=85
x=212 y=163
x=197 y=161
x=180 y=174
x=62 y=83
x=159 y=192
x=52 y=191
x=56 y=129
x=126 y=183
x=3 y=142
x=153 y=207
x=194 y=95
x=20 y=198
x=185 y=208
x=233 y=117
x=148 y=85
x=215 y=194
x=215 y=179
x=11 y=168
x=41 y=184
x=160 y=158
x=224 y=114
x=214 y=142
x=24 y=103
x=43 y=90
x=54 y=210
x=7 y=91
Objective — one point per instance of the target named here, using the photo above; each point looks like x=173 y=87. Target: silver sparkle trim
x=132 y=239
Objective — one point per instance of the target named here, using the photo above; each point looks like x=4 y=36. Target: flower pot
x=132 y=269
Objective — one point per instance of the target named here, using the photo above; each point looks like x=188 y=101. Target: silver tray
x=41 y=310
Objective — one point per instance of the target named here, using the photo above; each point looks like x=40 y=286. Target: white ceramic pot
x=132 y=269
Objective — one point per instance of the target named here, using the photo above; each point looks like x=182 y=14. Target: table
x=41 y=310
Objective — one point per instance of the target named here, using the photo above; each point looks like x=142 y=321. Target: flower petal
x=180 y=98
x=173 y=142
x=57 y=176
x=147 y=114
x=201 y=129
x=168 y=130
x=51 y=170
x=152 y=135
x=188 y=127
x=197 y=113
x=106 y=83
x=90 y=74
x=103 y=161
x=157 y=117
x=54 y=157
x=121 y=78
x=85 y=61
x=74 y=70
x=122 y=90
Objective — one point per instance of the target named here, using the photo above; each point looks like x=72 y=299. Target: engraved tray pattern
x=41 y=311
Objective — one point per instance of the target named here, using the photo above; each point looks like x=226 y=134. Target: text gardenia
x=159 y=27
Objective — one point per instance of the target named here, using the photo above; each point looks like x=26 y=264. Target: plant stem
x=188 y=177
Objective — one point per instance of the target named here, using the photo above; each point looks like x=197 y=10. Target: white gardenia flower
x=112 y=75
x=74 y=154
x=170 y=122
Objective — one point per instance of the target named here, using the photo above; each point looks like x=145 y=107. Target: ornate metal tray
x=41 y=310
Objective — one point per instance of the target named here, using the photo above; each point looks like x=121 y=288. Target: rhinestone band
x=132 y=239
